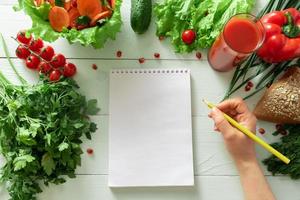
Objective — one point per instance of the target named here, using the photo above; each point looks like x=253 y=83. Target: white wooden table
x=215 y=174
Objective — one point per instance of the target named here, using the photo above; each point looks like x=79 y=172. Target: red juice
x=242 y=35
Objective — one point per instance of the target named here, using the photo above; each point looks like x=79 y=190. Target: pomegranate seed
x=161 y=38
x=94 y=66
x=90 y=151
x=283 y=132
x=157 y=55
x=261 y=131
x=141 y=60
x=247 y=88
x=119 y=54
x=250 y=84
x=198 y=55
x=279 y=127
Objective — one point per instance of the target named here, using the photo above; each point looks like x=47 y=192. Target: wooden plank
x=210 y=154
x=206 y=187
x=206 y=83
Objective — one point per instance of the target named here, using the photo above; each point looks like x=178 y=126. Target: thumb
x=220 y=122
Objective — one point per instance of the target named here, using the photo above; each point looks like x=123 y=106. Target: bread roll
x=281 y=102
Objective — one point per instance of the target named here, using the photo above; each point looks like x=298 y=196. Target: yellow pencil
x=252 y=135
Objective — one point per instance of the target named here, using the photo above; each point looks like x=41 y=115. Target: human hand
x=238 y=144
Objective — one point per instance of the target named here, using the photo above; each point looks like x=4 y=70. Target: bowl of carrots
x=89 y=22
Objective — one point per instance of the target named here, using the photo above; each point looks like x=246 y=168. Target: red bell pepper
x=282 y=39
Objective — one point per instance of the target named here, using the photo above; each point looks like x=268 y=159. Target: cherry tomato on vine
x=36 y=45
x=188 y=36
x=58 y=60
x=44 y=68
x=47 y=53
x=22 y=52
x=21 y=37
x=54 y=75
x=32 y=62
x=69 y=70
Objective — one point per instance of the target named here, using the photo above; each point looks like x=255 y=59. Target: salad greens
x=94 y=36
x=41 y=129
x=206 y=17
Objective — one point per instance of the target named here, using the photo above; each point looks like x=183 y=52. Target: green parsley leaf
x=92 y=108
x=63 y=146
x=48 y=163
x=20 y=162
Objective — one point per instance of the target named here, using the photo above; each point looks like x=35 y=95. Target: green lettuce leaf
x=206 y=17
x=94 y=36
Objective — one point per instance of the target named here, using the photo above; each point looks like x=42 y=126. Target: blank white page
x=150 y=128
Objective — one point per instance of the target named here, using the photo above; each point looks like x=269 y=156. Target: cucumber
x=140 y=18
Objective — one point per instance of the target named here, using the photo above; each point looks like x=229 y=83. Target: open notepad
x=150 y=132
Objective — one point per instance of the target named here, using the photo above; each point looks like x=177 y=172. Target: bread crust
x=281 y=102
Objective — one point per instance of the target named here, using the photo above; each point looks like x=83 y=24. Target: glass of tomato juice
x=242 y=35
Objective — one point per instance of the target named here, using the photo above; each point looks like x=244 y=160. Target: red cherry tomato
x=36 y=45
x=54 y=75
x=188 y=36
x=21 y=37
x=47 y=53
x=58 y=61
x=44 y=68
x=22 y=52
x=69 y=70
x=32 y=62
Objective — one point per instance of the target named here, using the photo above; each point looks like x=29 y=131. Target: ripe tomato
x=69 y=70
x=188 y=36
x=54 y=75
x=32 y=62
x=21 y=37
x=47 y=53
x=22 y=52
x=58 y=61
x=36 y=45
x=44 y=68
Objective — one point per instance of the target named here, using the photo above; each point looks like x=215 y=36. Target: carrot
x=89 y=8
x=59 y=18
x=73 y=14
x=67 y=5
x=100 y=16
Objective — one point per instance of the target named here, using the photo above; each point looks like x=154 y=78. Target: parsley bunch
x=289 y=145
x=41 y=129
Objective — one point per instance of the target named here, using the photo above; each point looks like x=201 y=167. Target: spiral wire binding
x=150 y=71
